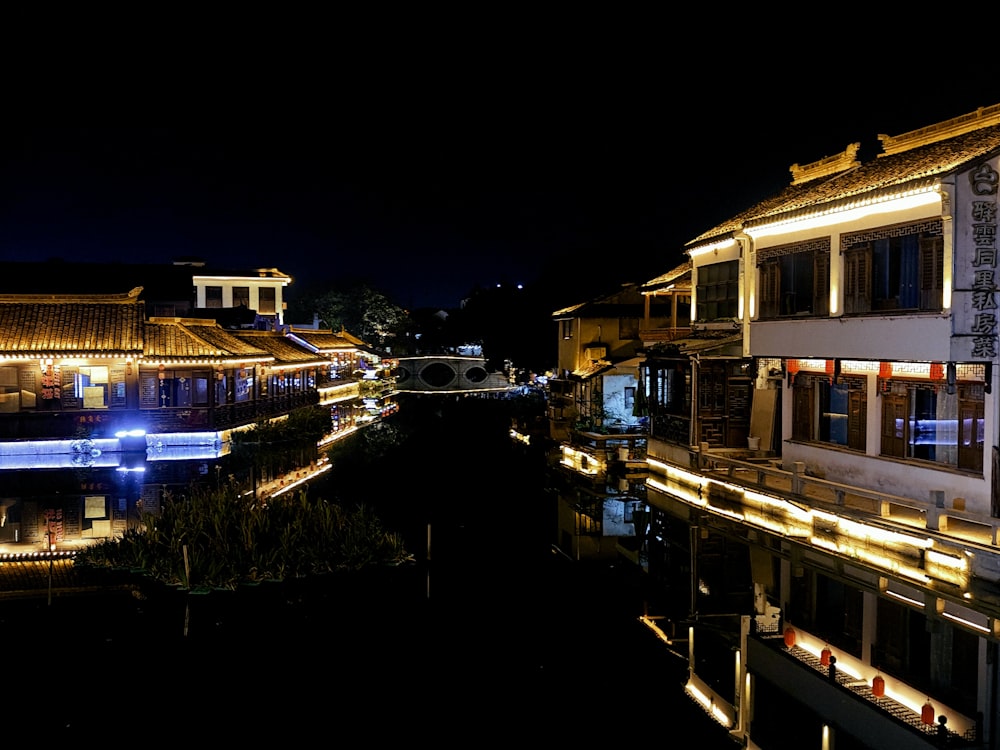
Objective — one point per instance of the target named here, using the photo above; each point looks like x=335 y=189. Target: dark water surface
x=495 y=639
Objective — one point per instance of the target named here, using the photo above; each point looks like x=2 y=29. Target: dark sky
x=434 y=186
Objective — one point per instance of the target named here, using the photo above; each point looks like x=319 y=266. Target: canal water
x=489 y=636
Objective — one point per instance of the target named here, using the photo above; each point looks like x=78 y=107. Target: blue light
x=130 y=433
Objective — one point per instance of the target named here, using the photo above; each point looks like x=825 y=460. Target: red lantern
x=829 y=366
x=885 y=370
x=927 y=713
x=878 y=686
x=824 y=656
x=792 y=366
x=937 y=371
x=789 y=636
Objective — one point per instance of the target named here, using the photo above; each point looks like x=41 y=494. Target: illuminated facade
x=864 y=299
x=90 y=382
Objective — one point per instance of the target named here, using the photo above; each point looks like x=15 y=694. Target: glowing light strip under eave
x=902 y=598
x=873 y=206
x=712 y=247
x=966 y=623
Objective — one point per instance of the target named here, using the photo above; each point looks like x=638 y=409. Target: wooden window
x=717 y=291
x=213 y=296
x=931 y=273
x=770 y=289
x=266 y=300
x=795 y=283
x=857 y=292
x=802 y=408
x=903 y=270
x=923 y=421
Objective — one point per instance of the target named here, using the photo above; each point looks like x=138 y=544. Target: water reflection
x=71 y=492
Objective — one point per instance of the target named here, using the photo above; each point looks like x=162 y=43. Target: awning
x=594 y=368
x=708 y=342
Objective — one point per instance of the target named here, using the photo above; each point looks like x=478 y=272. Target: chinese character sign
x=975 y=283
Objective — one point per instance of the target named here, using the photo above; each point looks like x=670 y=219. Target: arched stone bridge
x=448 y=374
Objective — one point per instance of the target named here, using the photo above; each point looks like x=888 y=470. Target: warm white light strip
x=948 y=561
x=966 y=623
x=650 y=622
x=784 y=505
x=681 y=493
x=687 y=477
x=269 y=361
x=781 y=528
x=906 y=599
x=724 y=512
x=844 y=214
x=726 y=485
x=712 y=247
x=708 y=704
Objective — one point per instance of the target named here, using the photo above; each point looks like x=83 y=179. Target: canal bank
x=488 y=635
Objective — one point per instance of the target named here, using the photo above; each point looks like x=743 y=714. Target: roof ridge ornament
x=828 y=165
x=981 y=118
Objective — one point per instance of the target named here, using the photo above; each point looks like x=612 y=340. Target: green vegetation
x=216 y=538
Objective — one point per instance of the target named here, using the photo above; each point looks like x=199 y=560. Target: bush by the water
x=215 y=538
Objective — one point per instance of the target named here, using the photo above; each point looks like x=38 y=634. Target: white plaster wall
x=909 y=338
x=891 y=477
x=614 y=398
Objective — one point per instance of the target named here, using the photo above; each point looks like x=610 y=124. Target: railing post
x=798 y=473
x=934 y=511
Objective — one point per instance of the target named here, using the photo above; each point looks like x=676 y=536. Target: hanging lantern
x=885 y=370
x=791 y=366
x=824 y=656
x=878 y=686
x=830 y=366
x=789 y=636
x=927 y=713
x=937 y=371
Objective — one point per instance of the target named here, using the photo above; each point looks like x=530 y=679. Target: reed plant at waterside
x=218 y=538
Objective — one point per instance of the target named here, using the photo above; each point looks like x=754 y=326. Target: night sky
x=434 y=186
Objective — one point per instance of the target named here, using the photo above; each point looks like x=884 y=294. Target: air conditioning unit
x=595 y=352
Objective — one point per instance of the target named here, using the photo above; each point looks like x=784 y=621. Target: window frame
x=898 y=268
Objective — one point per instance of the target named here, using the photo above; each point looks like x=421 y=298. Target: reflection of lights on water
x=302 y=480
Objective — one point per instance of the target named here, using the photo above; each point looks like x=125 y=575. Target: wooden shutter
x=894 y=425
x=857 y=280
x=821 y=283
x=802 y=409
x=970 y=445
x=931 y=273
x=857 y=418
x=770 y=289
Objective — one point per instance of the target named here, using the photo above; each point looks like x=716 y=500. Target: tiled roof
x=176 y=340
x=283 y=349
x=698 y=343
x=917 y=167
x=230 y=340
x=328 y=341
x=616 y=304
x=679 y=277
x=42 y=325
